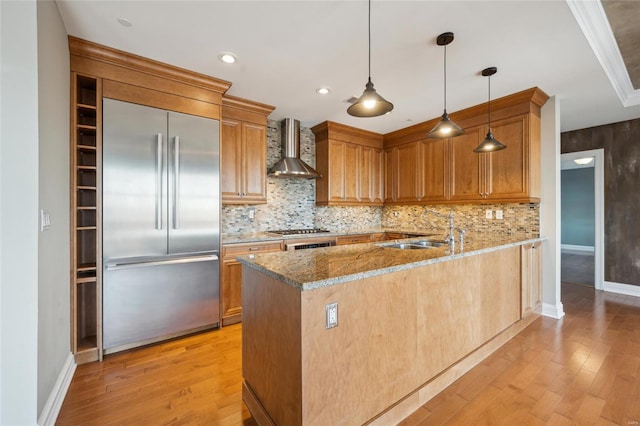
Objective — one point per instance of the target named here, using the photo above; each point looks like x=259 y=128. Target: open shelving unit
x=86 y=286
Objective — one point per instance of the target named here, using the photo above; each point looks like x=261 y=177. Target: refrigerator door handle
x=129 y=265
x=176 y=182
x=159 y=182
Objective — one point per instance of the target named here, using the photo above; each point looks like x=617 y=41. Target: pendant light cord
x=369 y=39
x=489 y=97
x=445 y=78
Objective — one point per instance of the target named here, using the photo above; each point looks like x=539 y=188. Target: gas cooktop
x=298 y=231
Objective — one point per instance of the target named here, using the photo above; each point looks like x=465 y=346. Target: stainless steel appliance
x=298 y=231
x=290 y=164
x=305 y=243
x=161 y=224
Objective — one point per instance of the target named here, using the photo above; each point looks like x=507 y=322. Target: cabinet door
x=390 y=181
x=467 y=167
x=230 y=160
x=407 y=172
x=351 y=165
x=336 y=171
x=254 y=162
x=434 y=174
x=231 y=292
x=507 y=170
x=531 y=261
x=374 y=178
x=366 y=164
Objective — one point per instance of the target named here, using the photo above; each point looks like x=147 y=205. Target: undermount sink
x=416 y=245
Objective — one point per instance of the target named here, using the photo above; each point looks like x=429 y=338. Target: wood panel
x=143 y=96
x=351 y=173
x=390 y=178
x=230 y=158
x=255 y=162
x=271 y=338
x=507 y=170
x=353 y=239
x=407 y=173
x=434 y=175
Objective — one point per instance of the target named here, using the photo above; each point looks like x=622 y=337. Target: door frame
x=598 y=155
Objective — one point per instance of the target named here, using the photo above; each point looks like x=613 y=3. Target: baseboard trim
x=52 y=407
x=552 y=311
x=626 y=289
x=570 y=248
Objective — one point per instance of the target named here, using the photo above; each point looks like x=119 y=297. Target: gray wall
x=53 y=244
x=578 y=207
x=18 y=213
x=621 y=144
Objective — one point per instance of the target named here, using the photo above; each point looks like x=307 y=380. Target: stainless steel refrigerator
x=161 y=224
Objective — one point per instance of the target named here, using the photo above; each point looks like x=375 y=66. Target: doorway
x=582 y=218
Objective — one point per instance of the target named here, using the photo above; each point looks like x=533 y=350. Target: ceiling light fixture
x=124 y=22
x=370 y=104
x=583 y=161
x=323 y=90
x=489 y=144
x=445 y=128
x=228 y=58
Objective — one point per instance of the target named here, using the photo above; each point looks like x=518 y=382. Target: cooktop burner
x=298 y=231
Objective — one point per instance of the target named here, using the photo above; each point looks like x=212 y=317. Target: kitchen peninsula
x=409 y=322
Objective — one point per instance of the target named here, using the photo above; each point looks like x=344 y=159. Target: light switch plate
x=45 y=220
x=488 y=214
x=499 y=214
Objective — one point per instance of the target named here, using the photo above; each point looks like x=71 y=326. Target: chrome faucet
x=451 y=239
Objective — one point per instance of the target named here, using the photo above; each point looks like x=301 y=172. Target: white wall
x=550 y=208
x=53 y=244
x=18 y=213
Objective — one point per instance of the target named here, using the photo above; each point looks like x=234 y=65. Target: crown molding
x=593 y=22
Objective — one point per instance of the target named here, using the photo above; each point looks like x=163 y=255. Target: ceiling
x=286 y=50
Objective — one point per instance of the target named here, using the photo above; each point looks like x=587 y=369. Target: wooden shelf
x=86 y=188
x=86 y=126
x=86 y=267
x=87 y=207
x=85 y=106
x=86 y=228
x=84 y=280
x=87 y=168
x=89 y=147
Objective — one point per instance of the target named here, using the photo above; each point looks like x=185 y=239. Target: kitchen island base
x=401 y=338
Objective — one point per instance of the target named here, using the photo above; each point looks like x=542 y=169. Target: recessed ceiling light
x=583 y=161
x=228 y=58
x=323 y=90
x=125 y=22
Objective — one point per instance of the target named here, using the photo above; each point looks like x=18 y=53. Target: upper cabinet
x=243 y=151
x=350 y=161
x=426 y=171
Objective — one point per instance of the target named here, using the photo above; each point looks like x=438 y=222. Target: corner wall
x=53 y=244
x=621 y=193
x=18 y=213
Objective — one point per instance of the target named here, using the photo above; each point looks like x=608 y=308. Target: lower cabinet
x=531 y=270
x=353 y=239
x=231 y=277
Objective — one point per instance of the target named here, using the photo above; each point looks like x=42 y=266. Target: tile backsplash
x=291 y=204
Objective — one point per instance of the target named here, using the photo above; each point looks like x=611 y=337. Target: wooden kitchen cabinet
x=353 y=239
x=231 y=277
x=531 y=277
x=467 y=177
x=350 y=161
x=243 y=151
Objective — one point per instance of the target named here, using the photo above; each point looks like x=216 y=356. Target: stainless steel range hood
x=290 y=165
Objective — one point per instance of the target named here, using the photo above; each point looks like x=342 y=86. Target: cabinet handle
x=254 y=248
x=159 y=182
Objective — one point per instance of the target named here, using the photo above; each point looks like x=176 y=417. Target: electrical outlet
x=499 y=214
x=331 y=313
x=488 y=214
x=252 y=213
x=45 y=220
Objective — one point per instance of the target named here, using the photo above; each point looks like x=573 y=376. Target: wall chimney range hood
x=290 y=165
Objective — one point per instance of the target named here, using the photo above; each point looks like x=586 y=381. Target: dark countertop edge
x=312 y=285
x=244 y=238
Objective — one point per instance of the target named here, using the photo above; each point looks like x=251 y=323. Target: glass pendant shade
x=445 y=128
x=370 y=104
x=489 y=144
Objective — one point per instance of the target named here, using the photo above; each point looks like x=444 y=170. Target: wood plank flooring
x=583 y=369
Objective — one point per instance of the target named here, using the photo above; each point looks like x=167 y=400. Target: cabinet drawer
x=233 y=250
x=353 y=239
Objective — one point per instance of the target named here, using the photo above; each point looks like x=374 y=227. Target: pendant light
x=370 y=104
x=445 y=128
x=489 y=144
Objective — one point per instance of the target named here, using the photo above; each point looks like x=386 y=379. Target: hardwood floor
x=577 y=268
x=583 y=369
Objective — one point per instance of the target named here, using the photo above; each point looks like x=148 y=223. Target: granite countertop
x=233 y=238
x=321 y=267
